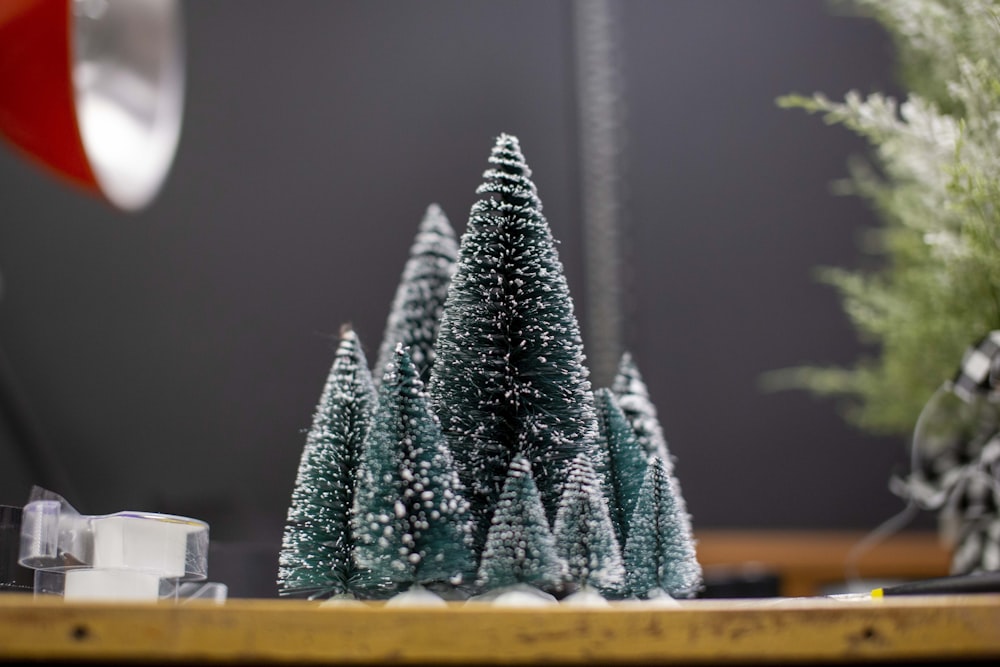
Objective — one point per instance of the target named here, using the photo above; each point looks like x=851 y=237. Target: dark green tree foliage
x=633 y=398
x=626 y=461
x=659 y=552
x=520 y=548
x=509 y=377
x=316 y=550
x=585 y=536
x=411 y=519
x=416 y=309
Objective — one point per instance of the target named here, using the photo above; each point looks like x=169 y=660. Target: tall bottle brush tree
x=415 y=313
x=509 y=378
x=316 y=557
x=412 y=524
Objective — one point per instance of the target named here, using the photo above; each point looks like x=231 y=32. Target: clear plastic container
x=120 y=556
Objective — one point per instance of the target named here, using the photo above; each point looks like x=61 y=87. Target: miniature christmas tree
x=411 y=520
x=584 y=534
x=316 y=550
x=509 y=377
x=416 y=309
x=626 y=461
x=659 y=552
x=520 y=548
x=633 y=398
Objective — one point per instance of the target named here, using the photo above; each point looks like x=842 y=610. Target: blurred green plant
x=934 y=179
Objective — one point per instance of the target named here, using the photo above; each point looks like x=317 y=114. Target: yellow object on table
x=778 y=630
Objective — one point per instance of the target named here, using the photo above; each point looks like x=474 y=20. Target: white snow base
x=342 y=601
x=518 y=595
x=416 y=596
x=585 y=597
x=661 y=598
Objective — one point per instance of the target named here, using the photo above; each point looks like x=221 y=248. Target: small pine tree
x=633 y=398
x=316 y=550
x=509 y=377
x=584 y=533
x=659 y=552
x=520 y=548
x=416 y=308
x=411 y=520
x=626 y=461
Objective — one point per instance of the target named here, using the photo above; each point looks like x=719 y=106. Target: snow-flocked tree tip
x=415 y=313
x=509 y=377
x=317 y=548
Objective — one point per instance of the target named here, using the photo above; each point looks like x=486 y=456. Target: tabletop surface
x=775 y=630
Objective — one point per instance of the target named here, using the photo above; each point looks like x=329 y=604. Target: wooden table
x=773 y=631
x=809 y=561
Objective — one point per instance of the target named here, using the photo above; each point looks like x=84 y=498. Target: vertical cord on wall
x=600 y=107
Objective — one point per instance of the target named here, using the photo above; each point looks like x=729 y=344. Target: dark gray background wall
x=172 y=359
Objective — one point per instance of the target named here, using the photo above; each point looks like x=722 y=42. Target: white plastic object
x=98 y=584
x=121 y=556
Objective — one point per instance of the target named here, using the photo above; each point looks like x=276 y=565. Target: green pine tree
x=584 y=533
x=659 y=552
x=520 y=548
x=411 y=520
x=509 y=377
x=933 y=180
x=416 y=308
x=316 y=550
x=633 y=397
x=626 y=461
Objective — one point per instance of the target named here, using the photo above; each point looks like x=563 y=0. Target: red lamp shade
x=93 y=90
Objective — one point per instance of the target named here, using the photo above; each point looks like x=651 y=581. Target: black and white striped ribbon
x=979 y=373
x=956 y=466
